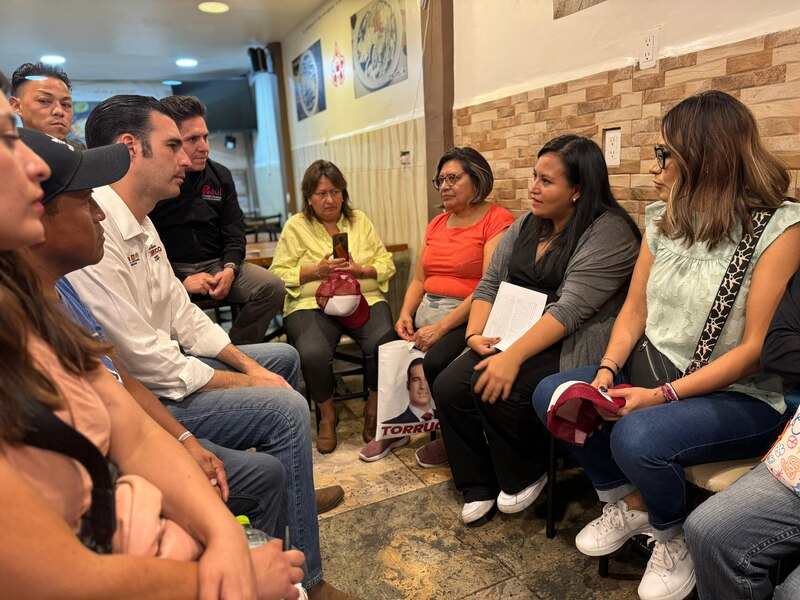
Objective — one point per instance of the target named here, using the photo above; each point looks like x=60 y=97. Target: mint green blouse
x=682 y=285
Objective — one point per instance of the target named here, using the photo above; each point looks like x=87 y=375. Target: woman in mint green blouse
x=711 y=170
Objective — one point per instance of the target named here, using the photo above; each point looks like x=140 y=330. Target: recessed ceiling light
x=53 y=59
x=186 y=62
x=171 y=82
x=214 y=8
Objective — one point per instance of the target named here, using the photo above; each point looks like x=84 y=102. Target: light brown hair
x=724 y=170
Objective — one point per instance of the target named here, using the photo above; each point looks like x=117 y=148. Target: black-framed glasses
x=662 y=154
x=450 y=178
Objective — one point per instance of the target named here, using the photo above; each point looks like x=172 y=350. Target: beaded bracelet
x=669 y=393
x=607 y=368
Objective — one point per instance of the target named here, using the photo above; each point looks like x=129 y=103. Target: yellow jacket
x=305 y=242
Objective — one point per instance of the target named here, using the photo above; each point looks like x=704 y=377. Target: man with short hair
x=74 y=239
x=419 y=396
x=42 y=97
x=236 y=398
x=204 y=234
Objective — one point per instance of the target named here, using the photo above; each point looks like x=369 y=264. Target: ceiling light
x=214 y=8
x=171 y=82
x=53 y=59
x=186 y=62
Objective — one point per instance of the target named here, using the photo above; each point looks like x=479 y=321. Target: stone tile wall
x=763 y=72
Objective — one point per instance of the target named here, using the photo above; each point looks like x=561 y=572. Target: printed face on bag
x=419 y=394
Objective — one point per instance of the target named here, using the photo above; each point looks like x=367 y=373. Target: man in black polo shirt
x=203 y=231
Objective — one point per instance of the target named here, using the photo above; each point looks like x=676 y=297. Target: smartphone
x=340 y=247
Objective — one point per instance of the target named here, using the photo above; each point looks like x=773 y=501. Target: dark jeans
x=493 y=447
x=647 y=450
x=315 y=335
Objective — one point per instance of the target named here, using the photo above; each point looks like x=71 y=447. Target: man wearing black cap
x=74 y=239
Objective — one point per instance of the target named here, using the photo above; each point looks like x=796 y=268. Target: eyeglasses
x=451 y=179
x=662 y=154
x=332 y=193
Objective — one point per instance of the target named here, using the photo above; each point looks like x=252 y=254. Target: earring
x=575 y=199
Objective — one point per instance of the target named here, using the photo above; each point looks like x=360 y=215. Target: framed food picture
x=309 y=82
x=380 y=53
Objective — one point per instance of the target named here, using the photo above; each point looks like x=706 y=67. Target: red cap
x=572 y=417
x=339 y=295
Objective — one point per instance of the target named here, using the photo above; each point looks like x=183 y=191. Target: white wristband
x=185 y=436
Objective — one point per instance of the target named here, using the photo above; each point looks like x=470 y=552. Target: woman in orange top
x=458 y=247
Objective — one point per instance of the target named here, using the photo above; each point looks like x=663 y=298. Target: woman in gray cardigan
x=577 y=246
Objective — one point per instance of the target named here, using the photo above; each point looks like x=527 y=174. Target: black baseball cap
x=73 y=169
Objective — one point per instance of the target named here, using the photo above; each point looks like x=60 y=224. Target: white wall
x=504 y=47
x=345 y=114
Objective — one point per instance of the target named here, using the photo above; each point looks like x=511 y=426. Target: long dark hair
x=25 y=312
x=584 y=166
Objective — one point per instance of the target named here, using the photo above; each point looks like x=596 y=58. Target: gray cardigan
x=592 y=291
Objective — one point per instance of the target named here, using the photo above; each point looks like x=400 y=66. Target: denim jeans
x=737 y=535
x=272 y=420
x=647 y=449
x=257 y=486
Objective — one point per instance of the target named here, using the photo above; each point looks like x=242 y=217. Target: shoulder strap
x=48 y=432
x=728 y=290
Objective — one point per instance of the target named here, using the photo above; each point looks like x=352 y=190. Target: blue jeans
x=738 y=534
x=647 y=449
x=257 y=483
x=274 y=421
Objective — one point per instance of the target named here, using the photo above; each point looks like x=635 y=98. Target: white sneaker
x=670 y=572
x=514 y=503
x=612 y=529
x=472 y=511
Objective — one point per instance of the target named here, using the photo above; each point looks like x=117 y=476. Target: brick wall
x=763 y=72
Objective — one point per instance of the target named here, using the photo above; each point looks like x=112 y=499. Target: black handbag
x=647 y=367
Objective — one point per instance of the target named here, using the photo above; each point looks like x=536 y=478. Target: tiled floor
x=398 y=534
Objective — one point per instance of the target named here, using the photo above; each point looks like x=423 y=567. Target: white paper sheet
x=515 y=310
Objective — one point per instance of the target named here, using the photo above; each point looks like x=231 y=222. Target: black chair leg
x=550 y=529
x=602 y=566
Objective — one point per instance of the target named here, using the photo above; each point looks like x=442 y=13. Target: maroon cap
x=339 y=295
x=571 y=416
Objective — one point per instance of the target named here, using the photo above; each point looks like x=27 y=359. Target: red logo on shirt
x=154 y=252
x=211 y=194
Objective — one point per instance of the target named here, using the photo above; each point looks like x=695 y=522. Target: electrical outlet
x=648 y=48
x=612 y=145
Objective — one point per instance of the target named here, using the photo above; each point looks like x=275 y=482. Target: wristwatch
x=233 y=266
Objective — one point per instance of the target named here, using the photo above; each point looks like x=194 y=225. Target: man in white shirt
x=237 y=398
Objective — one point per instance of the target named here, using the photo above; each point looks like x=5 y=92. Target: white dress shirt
x=144 y=308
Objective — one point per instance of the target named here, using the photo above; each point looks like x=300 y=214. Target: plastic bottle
x=255 y=537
